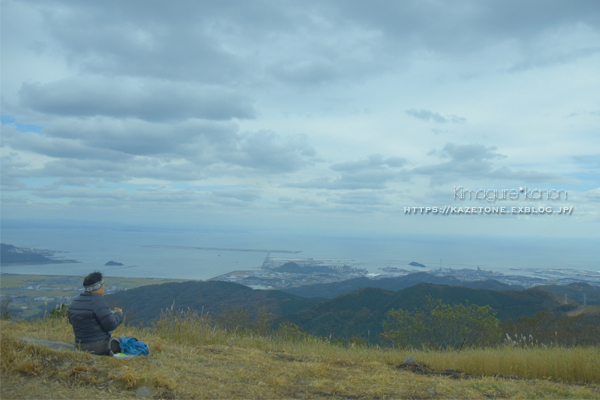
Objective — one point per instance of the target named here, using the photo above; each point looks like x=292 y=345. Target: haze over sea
x=94 y=246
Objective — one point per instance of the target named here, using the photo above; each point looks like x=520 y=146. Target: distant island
x=416 y=264
x=11 y=255
x=114 y=263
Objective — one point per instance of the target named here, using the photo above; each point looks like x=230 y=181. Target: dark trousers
x=99 y=347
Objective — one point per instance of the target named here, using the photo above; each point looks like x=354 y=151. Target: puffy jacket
x=91 y=318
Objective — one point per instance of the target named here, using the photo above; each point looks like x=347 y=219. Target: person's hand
x=117 y=309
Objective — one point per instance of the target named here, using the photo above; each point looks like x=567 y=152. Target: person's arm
x=107 y=319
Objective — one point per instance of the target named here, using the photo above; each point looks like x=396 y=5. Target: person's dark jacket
x=91 y=318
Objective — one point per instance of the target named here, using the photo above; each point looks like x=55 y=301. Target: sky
x=324 y=116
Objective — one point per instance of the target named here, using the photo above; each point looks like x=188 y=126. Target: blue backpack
x=132 y=346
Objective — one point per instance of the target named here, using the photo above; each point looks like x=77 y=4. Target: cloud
x=359 y=198
x=175 y=43
x=441 y=131
x=374 y=162
x=305 y=72
x=592 y=195
x=270 y=152
x=427 y=115
x=371 y=173
x=100 y=195
x=252 y=96
x=58 y=147
x=235 y=197
x=467 y=26
x=469 y=152
x=119 y=150
x=143 y=138
x=475 y=162
x=558 y=58
x=148 y=100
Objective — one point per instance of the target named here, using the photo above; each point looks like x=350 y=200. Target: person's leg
x=99 y=347
x=113 y=345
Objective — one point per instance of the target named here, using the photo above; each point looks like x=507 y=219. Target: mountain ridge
x=331 y=290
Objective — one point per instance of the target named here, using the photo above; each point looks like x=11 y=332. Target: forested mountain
x=360 y=313
x=331 y=290
x=576 y=291
x=146 y=302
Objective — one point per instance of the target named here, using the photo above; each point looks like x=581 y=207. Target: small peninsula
x=114 y=263
x=11 y=255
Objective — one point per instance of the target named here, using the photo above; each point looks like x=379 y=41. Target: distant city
x=281 y=273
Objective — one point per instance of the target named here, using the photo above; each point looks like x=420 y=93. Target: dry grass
x=574 y=365
x=190 y=359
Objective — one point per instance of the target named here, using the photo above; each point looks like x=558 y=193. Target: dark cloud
x=59 y=148
x=192 y=138
x=427 y=115
x=139 y=38
x=465 y=26
x=116 y=151
x=147 y=100
x=10 y=182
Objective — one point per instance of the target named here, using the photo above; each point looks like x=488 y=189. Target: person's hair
x=92 y=278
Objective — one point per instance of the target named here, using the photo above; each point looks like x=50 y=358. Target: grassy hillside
x=192 y=359
x=145 y=303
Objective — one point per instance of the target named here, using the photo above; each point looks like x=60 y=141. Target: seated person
x=91 y=318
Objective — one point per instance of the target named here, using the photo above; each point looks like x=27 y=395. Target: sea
x=94 y=247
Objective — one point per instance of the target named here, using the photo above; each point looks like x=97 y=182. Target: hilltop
x=192 y=359
x=145 y=303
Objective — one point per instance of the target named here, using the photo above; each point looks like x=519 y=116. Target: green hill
x=146 y=302
x=360 y=313
x=576 y=291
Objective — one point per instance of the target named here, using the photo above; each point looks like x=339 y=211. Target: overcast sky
x=320 y=115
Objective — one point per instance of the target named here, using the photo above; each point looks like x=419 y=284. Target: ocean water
x=94 y=247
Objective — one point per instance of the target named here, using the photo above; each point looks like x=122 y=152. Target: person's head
x=94 y=283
